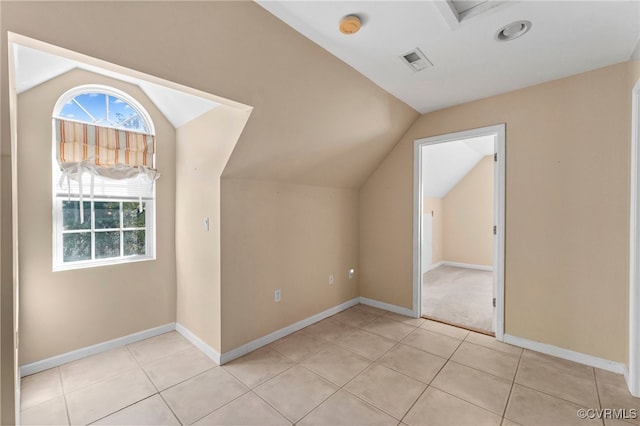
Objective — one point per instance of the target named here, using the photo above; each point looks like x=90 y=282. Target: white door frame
x=498 y=205
x=633 y=377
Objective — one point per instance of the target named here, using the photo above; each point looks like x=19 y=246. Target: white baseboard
x=592 y=361
x=55 y=361
x=387 y=306
x=434 y=266
x=220 y=359
x=468 y=266
x=278 y=334
x=199 y=343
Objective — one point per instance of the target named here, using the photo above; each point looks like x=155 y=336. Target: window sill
x=97 y=263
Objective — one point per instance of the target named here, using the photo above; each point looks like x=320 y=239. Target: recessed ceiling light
x=350 y=24
x=513 y=30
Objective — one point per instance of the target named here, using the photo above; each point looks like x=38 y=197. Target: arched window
x=103 y=175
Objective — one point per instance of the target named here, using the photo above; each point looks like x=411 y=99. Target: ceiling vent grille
x=416 y=60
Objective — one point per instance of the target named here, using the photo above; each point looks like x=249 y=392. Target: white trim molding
x=388 y=307
x=198 y=343
x=278 y=334
x=633 y=378
x=55 y=361
x=434 y=266
x=468 y=266
x=499 y=132
x=590 y=360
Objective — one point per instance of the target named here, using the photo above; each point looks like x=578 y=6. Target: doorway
x=459 y=229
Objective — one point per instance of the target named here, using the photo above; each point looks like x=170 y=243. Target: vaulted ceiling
x=459 y=38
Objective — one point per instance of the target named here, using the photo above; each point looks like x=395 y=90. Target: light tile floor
x=364 y=366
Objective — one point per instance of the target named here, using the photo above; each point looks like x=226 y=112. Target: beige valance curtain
x=103 y=146
x=86 y=152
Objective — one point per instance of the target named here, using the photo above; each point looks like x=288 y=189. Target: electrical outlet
x=277 y=296
x=331 y=279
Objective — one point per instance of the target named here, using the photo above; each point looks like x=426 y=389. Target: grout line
x=123 y=408
x=220 y=407
x=513 y=382
x=169 y=407
x=64 y=396
x=595 y=380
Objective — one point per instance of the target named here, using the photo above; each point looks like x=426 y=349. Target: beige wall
x=433 y=206
x=203 y=148
x=67 y=310
x=468 y=217
x=567 y=227
x=288 y=237
x=292 y=136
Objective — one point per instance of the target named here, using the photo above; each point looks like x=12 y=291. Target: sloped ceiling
x=445 y=164
x=315 y=120
x=34 y=67
x=458 y=37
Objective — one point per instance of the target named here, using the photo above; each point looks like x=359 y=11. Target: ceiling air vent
x=416 y=60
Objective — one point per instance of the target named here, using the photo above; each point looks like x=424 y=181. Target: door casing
x=499 y=131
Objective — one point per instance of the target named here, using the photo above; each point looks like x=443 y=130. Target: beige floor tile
x=342 y=408
x=295 y=392
x=491 y=343
x=96 y=368
x=369 y=345
x=435 y=407
x=473 y=386
x=177 y=367
x=328 y=329
x=501 y=364
x=247 y=410
x=336 y=364
x=507 y=422
x=150 y=411
x=564 y=379
x=298 y=346
x=93 y=402
x=614 y=393
x=158 y=347
x=51 y=412
x=530 y=407
x=388 y=390
x=40 y=387
x=431 y=342
x=258 y=366
x=414 y=322
x=355 y=317
x=201 y=395
x=413 y=362
x=371 y=309
x=618 y=422
x=446 y=329
x=389 y=328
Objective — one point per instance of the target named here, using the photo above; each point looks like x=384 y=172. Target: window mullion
x=120 y=230
x=93 y=232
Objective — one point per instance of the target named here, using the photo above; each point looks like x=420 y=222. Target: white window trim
x=150 y=235
x=60 y=265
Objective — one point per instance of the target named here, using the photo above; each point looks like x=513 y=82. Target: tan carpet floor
x=460 y=296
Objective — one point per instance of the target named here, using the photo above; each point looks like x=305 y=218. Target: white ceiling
x=566 y=38
x=34 y=67
x=445 y=164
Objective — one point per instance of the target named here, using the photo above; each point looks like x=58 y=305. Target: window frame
x=58 y=197
x=59 y=233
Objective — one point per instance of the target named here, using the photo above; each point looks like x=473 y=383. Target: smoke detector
x=350 y=24
x=416 y=60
